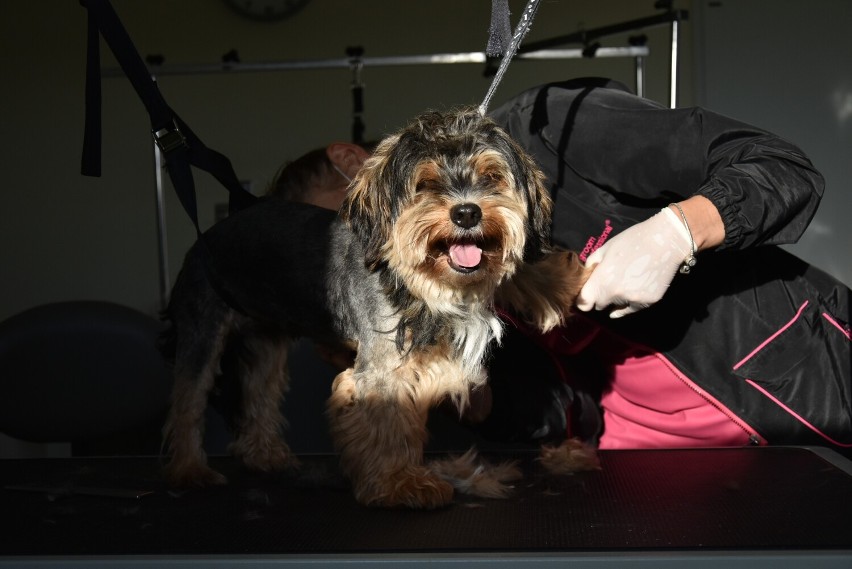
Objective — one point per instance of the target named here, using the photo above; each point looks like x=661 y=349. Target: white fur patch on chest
x=472 y=336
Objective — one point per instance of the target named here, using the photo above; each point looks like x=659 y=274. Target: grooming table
x=745 y=507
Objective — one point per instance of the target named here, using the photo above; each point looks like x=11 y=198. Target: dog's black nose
x=466 y=215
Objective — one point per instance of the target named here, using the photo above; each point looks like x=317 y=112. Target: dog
x=448 y=219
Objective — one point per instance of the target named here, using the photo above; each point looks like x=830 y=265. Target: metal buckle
x=169 y=139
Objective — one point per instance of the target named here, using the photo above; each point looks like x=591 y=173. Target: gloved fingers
x=602 y=289
x=607 y=288
x=634 y=269
x=620 y=305
x=593 y=296
x=592 y=289
x=597 y=255
x=586 y=298
x=629 y=309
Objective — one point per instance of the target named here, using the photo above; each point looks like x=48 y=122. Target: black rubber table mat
x=716 y=499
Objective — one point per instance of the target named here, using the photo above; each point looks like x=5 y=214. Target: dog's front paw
x=573 y=455
x=189 y=474
x=570 y=275
x=414 y=488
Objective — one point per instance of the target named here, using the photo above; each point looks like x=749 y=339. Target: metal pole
x=673 y=74
x=640 y=76
x=162 y=249
x=438 y=58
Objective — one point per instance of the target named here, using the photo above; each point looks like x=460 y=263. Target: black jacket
x=761 y=331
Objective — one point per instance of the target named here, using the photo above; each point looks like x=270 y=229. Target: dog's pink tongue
x=465 y=254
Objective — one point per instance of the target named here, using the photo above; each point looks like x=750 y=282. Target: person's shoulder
x=561 y=94
x=570 y=88
x=580 y=84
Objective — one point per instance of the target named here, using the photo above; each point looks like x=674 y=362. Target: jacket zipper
x=754 y=439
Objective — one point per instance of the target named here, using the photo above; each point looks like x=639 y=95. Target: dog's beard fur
x=418 y=248
x=419 y=259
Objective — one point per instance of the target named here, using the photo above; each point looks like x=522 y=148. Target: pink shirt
x=649 y=402
x=652 y=405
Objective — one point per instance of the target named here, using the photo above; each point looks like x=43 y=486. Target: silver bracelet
x=690 y=261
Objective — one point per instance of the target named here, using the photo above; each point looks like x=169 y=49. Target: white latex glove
x=635 y=267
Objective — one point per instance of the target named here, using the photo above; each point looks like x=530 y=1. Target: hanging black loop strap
x=357 y=65
x=91 y=159
x=500 y=13
x=180 y=146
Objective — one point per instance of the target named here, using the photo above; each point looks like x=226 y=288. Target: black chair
x=84 y=372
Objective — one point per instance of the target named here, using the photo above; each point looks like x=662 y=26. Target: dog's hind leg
x=198 y=351
x=264 y=378
x=573 y=455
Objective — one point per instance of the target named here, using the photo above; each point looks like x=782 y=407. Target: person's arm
x=764 y=189
x=705 y=223
x=736 y=186
x=634 y=269
x=644 y=156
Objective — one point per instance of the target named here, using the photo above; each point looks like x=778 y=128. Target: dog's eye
x=427 y=184
x=491 y=178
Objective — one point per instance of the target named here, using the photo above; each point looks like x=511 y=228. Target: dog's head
x=449 y=203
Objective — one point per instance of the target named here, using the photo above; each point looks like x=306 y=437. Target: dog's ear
x=540 y=208
x=369 y=208
x=530 y=180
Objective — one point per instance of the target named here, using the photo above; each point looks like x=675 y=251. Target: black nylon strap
x=218 y=165
x=90 y=164
x=181 y=147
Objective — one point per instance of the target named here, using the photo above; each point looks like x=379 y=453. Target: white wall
x=786 y=65
x=66 y=237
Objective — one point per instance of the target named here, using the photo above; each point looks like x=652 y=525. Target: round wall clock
x=266 y=10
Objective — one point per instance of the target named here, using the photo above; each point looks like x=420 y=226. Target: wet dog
x=447 y=219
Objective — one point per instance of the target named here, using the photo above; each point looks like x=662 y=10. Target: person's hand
x=633 y=269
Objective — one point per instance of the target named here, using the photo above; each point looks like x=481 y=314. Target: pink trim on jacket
x=798 y=417
x=843 y=330
x=773 y=336
x=777 y=401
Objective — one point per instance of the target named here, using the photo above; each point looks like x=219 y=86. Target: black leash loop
x=356 y=64
x=500 y=15
x=500 y=30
